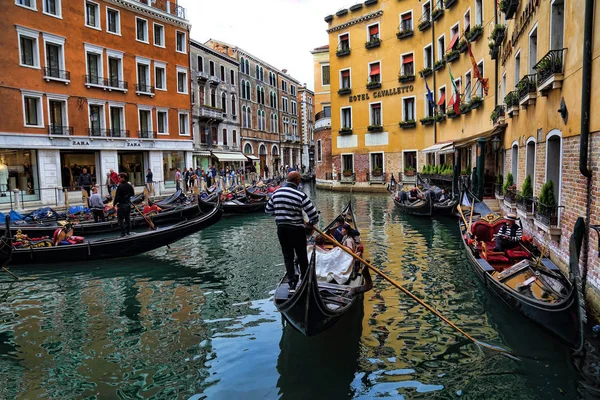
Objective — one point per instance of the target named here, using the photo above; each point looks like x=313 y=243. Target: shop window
x=375 y=72
x=180 y=42
x=113 y=21
x=346 y=120
x=325 y=75
x=32 y=110
x=554 y=163
x=162 y=122
x=375 y=111
x=73 y=163
x=132 y=163
x=533 y=50
x=410 y=160
x=347 y=163
x=557 y=25
x=515 y=162
x=92 y=14
x=408 y=109
x=171 y=161
x=18 y=170
x=530 y=160
x=159 y=36
x=141 y=26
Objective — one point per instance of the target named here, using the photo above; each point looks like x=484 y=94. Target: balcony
x=213 y=80
x=512 y=103
x=145 y=89
x=509 y=8
x=169 y=7
x=343 y=49
x=208 y=113
x=291 y=138
x=525 y=207
x=550 y=71
x=348 y=176
x=323 y=119
x=95 y=81
x=54 y=74
x=115 y=84
x=108 y=133
x=497 y=116
x=526 y=90
x=202 y=76
x=377 y=176
x=59 y=130
x=146 y=134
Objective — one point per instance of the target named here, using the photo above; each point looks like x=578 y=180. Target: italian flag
x=455 y=95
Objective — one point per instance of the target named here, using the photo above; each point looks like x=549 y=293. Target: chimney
x=284 y=71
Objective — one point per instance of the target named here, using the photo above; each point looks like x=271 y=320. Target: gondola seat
x=517 y=254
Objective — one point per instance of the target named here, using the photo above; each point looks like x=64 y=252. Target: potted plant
x=462 y=45
x=498 y=33
x=495 y=114
x=476 y=101
x=547 y=201
x=425 y=72
x=452 y=55
x=509 y=189
x=374 y=128
x=408 y=124
x=503 y=5
x=427 y=121
x=494 y=50
x=511 y=99
x=524 y=198
x=409 y=171
x=474 y=33
x=373 y=42
x=377 y=171
x=439 y=64
x=347 y=173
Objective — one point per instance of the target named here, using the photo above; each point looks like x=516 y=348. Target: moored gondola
x=240 y=205
x=6 y=247
x=114 y=247
x=528 y=282
x=332 y=285
x=421 y=206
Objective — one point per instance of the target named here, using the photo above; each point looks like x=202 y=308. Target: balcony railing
x=405 y=29
x=119 y=133
x=144 y=88
x=54 y=73
x=146 y=134
x=95 y=80
x=550 y=65
x=546 y=215
x=525 y=204
x=208 y=112
x=377 y=176
x=117 y=84
x=326 y=113
x=347 y=177
x=170 y=7
x=60 y=130
x=526 y=86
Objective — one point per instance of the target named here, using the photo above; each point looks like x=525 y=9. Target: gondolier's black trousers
x=124 y=215
x=293 y=240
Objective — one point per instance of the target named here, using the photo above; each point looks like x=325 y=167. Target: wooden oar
x=415 y=298
x=148 y=220
x=10 y=273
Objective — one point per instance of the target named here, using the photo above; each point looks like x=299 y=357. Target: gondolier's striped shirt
x=287 y=204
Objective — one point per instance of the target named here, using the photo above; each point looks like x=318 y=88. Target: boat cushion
x=516 y=253
x=497 y=258
x=483 y=231
x=332 y=265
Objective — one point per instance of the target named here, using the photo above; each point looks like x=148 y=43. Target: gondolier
x=287 y=204
x=509 y=235
x=123 y=203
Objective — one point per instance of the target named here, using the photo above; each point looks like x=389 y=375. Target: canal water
x=197 y=321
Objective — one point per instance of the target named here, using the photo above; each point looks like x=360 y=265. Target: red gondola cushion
x=516 y=253
x=497 y=258
x=482 y=231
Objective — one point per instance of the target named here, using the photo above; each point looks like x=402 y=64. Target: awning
x=251 y=157
x=407 y=59
x=345 y=73
x=229 y=156
x=375 y=69
x=448 y=148
x=436 y=147
x=453 y=42
x=374 y=30
x=202 y=153
x=344 y=37
x=442 y=100
x=406 y=17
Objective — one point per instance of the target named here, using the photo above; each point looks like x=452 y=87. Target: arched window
x=554 y=161
x=262 y=150
x=262 y=75
x=248 y=149
x=242 y=64
x=232 y=77
x=243 y=89
x=258 y=120
x=233 y=105
x=257 y=72
x=244 y=123
x=530 y=160
x=275 y=124
x=249 y=118
x=275 y=151
x=213 y=98
x=248 y=91
x=224 y=102
x=247 y=64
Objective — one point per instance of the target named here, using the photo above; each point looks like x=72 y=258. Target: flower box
x=437 y=14
x=474 y=33
x=406 y=78
x=356 y=7
x=424 y=25
x=405 y=33
x=373 y=85
x=425 y=72
x=476 y=102
x=343 y=91
x=375 y=128
x=452 y=55
x=427 y=121
x=439 y=65
x=462 y=46
x=329 y=18
x=342 y=12
x=408 y=124
x=345 y=131
x=376 y=42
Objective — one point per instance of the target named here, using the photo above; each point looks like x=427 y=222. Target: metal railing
x=50 y=72
x=60 y=130
x=526 y=85
x=95 y=80
x=374 y=176
x=95 y=132
x=511 y=99
x=550 y=64
x=345 y=177
x=146 y=134
x=497 y=113
x=326 y=113
x=525 y=204
x=546 y=214
x=144 y=88
x=117 y=84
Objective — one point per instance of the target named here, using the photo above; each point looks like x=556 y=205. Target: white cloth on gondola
x=334 y=264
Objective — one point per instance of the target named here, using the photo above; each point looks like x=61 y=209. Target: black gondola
x=115 y=247
x=533 y=286
x=307 y=178
x=6 y=247
x=242 y=205
x=314 y=306
x=168 y=216
x=420 y=207
x=256 y=193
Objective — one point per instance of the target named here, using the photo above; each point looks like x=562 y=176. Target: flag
x=455 y=95
x=483 y=81
x=429 y=95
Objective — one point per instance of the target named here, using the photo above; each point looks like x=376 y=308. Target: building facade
x=417 y=83
x=215 y=108
x=269 y=112
x=306 y=100
x=322 y=104
x=93 y=84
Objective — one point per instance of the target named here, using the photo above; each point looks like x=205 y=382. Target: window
x=319 y=151
x=503 y=88
x=557 y=25
x=348 y=163
x=223 y=76
x=479 y=86
x=479 y=12
x=406 y=22
x=428 y=57
x=515 y=161
x=159 y=35
x=408 y=64
x=117 y=121
x=410 y=159
x=141 y=26
x=294 y=111
x=233 y=106
x=284 y=86
x=344 y=45
x=145 y=122
x=224 y=102
x=374 y=73
x=57 y=116
x=257 y=73
x=94 y=65
x=408 y=109
x=248 y=149
x=242 y=65
x=244 y=121
x=143 y=77
x=426 y=16
x=284 y=102
x=27 y=4
x=468 y=87
x=346 y=118
x=211 y=68
x=262 y=74
x=180 y=42
x=553 y=168
x=113 y=21
x=325 y=75
x=213 y=98
x=533 y=56
x=234 y=134
x=247 y=64
x=442 y=99
x=454 y=34
x=115 y=70
x=160 y=76
x=32 y=110
x=293 y=90
x=224 y=139
x=232 y=77
x=53 y=7
x=375 y=114
x=373 y=35
x=184 y=128
x=28 y=47
x=517 y=68
x=248 y=91
x=530 y=160
x=249 y=117
x=182 y=83
x=97 y=118
x=200 y=64
x=92 y=14
x=441 y=47
x=162 y=122
x=376 y=162
x=429 y=106
x=467 y=21
x=345 y=79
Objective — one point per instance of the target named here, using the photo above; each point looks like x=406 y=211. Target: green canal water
x=197 y=321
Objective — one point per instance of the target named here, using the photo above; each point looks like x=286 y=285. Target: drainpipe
x=585 y=126
x=496 y=62
x=433 y=73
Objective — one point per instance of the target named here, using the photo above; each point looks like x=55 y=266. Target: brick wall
x=323 y=167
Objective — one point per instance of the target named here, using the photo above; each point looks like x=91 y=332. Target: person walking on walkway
x=287 y=204
x=150 y=182
x=85 y=181
x=123 y=202
x=178 y=179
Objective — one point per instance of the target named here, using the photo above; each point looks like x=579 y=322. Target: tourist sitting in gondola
x=443 y=197
x=336 y=231
x=509 y=235
x=97 y=205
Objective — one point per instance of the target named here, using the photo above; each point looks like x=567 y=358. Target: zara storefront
x=39 y=167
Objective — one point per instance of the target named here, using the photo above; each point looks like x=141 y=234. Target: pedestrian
x=123 y=203
x=97 y=205
x=108 y=183
x=287 y=204
x=190 y=175
x=178 y=179
x=85 y=181
x=150 y=181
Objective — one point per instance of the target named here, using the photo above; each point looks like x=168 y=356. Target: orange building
x=95 y=84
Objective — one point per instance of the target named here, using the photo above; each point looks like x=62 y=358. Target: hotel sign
x=381 y=93
x=519 y=27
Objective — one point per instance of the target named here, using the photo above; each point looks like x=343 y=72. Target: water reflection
x=197 y=321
